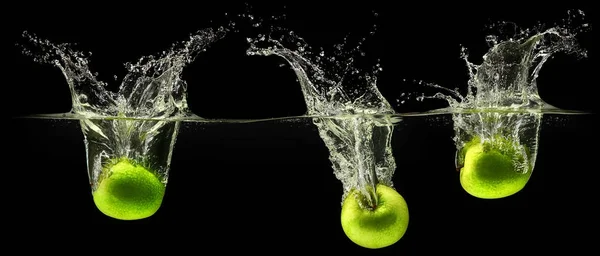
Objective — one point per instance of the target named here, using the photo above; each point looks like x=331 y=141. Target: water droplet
x=82 y=98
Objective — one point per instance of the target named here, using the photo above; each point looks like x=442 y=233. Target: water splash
x=341 y=89
x=152 y=87
x=359 y=142
x=502 y=108
x=133 y=122
x=507 y=77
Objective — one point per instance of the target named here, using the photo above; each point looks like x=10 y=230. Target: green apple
x=375 y=227
x=128 y=191
x=490 y=170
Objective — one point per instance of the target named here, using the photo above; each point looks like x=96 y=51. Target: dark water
x=269 y=186
x=265 y=186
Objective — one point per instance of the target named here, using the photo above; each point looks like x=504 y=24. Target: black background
x=269 y=187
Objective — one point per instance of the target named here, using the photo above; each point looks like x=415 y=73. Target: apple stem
x=368 y=184
x=373 y=194
x=370 y=194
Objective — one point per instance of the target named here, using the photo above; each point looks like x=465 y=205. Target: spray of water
x=502 y=103
x=346 y=103
x=152 y=87
x=134 y=122
x=506 y=80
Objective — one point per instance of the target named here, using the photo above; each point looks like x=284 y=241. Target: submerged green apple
x=377 y=227
x=128 y=191
x=490 y=170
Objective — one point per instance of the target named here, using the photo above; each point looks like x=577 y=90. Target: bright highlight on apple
x=375 y=227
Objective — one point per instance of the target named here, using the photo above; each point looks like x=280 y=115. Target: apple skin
x=379 y=227
x=489 y=173
x=128 y=192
